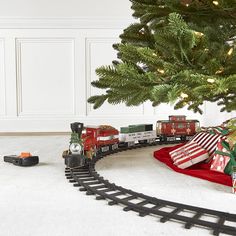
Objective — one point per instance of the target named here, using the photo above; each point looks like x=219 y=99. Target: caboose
x=177 y=127
x=101 y=138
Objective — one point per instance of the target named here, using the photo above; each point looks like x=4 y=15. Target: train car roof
x=177 y=116
x=176 y=121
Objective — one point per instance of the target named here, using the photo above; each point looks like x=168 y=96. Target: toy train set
x=90 y=141
x=90 y=144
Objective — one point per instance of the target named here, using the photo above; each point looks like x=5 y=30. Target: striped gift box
x=216 y=130
x=207 y=141
x=179 y=153
x=190 y=154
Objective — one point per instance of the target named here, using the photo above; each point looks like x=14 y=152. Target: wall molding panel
x=46 y=69
x=2 y=78
x=56 y=56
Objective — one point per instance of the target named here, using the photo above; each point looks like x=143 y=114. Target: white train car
x=137 y=134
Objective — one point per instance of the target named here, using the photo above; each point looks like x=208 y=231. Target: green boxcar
x=136 y=128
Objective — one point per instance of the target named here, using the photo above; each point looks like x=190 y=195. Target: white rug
x=39 y=201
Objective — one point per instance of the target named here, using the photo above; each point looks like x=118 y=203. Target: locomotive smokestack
x=77 y=127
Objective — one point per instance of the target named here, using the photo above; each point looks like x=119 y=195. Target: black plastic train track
x=88 y=180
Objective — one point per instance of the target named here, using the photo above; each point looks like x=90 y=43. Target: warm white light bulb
x=183 y=95
x=230 y=51
x=211 y=81
x=161 y=71
x=219 y=71
x=198 y=33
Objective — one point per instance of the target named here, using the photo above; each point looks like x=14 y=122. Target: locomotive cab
x=90 y=138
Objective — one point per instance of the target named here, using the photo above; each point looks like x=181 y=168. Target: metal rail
x=92 y=183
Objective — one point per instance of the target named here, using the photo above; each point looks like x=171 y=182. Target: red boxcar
x=176 y=127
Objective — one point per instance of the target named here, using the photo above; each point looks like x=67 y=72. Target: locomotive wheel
x=95 y=151
x=99 y=151
x=113 y=146
x=104 y=149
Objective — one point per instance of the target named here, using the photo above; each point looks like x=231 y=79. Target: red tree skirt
x=200 y=170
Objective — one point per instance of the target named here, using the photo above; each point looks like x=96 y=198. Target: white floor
x=39 y=201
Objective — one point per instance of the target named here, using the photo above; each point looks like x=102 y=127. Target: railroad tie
x=189 y=225
x=166 y=218
x=220 y=222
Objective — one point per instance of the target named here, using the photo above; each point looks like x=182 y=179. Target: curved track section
x=88 y=180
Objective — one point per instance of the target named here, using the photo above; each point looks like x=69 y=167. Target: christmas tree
x=181 y=52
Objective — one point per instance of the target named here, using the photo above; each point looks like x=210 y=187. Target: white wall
x=48 y=57
x=65 y=8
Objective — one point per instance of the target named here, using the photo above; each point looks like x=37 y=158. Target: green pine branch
x=180 y=52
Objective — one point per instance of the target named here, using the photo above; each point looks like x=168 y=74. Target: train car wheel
x=127 y=144
x=122 y=144
x=114 y=146
x=188 y=138
x=163 y=138
x=130 y=144
x=142 y=141
x=171 y=139
x=151 y=140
